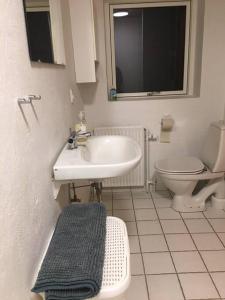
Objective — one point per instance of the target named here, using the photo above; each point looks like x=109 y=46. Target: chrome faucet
x=74 y=135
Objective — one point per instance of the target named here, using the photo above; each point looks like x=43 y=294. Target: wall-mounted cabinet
x=83 y=35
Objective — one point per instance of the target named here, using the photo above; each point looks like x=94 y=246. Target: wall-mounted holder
x=167 y=124
x=112 y=94
x=95 y=185
x=152 y=137
x=28 y=99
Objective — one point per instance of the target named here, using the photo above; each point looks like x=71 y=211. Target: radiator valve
x=153 y=138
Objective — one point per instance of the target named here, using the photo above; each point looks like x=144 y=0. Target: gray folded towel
x=73 y=265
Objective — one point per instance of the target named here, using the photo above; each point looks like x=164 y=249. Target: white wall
x=28 y=151
x=30 y=143
x=192 y=116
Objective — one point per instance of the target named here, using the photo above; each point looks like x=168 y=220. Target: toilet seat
x=180 y=165
x=206 y=174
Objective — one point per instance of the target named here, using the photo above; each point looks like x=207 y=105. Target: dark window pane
x=149 y=49
x=164 y=42
x=39 y=36
x=129 y=51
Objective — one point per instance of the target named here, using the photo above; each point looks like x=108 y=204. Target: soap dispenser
x=82 y=126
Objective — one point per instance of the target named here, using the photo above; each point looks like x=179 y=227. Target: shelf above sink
x=101 y=157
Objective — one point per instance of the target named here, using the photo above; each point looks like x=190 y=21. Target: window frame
x=57 y=36
x=110 y=5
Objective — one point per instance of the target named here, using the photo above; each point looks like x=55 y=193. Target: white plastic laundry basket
x=116 y=270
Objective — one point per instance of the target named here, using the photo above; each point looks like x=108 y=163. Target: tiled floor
x=173 y=256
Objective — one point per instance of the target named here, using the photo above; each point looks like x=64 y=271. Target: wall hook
x=28 y=99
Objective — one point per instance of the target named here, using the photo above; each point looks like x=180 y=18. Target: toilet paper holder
x=167 y=124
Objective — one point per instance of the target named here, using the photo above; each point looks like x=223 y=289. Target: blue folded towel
x=73 y=266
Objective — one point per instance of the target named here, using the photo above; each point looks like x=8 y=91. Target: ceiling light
x=120 y=14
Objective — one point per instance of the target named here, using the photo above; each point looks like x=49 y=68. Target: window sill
x=154 y=97
x=47 y=65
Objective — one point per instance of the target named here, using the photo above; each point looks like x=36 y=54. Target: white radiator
x=136 y=177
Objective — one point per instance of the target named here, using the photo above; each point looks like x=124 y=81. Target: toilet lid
x=186 y=164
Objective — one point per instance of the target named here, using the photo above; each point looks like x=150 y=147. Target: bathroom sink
x=101 y=157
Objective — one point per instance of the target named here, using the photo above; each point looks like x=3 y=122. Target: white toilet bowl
x=182 y=185
x=181 y=174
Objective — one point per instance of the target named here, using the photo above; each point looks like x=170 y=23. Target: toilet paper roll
x=167 y=124
x=166 y=128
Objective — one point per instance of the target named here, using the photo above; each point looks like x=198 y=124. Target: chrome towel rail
x=28 y=99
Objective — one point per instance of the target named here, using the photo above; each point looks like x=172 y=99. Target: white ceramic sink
x=101 y=157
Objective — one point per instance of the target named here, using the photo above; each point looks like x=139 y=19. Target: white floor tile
x=158 y=263
x=136 y=264
x=180 y=242
x=207 y=241
x=222 y=237
x=168 y=213
x=160 y=194
x=173 y=226
x=124 y=214
x=109 y=213
x=145 y=214
x=107 y=203
x=153 y=243
x=193 y=215
x=106 y=195
x=123 y=204
x=143 y=203
x=214 y=213
x=208 y=203
x=219 y=280
x=214 y=260
x=134 y=244
x=122 y=195
x=188 y=262
x=163 y=202
x=218 y=224
x=131 y=228
x=137 y=289
x=149 y=227
x=138 y=189
x=198 y=226
x=198 y=286
x=164 y=287
x=121 y=190
x=162 y=283
x=140 y=194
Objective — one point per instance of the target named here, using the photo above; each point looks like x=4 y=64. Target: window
x=44 y=31
x=148 y=48
x=39 y=36
x=39 y=31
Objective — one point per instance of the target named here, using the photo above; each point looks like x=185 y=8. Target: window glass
x=39 y=36
x=150 y=49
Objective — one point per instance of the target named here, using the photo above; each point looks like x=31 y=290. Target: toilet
x=181 y=174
